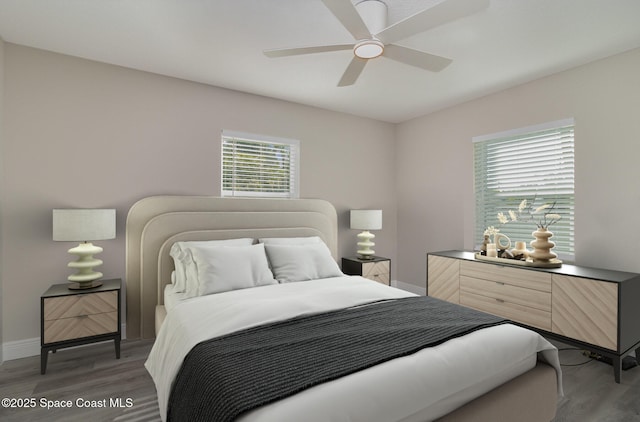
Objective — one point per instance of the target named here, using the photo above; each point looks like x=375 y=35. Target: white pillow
x=290 y=240
x=225 y=268
x=302 y=262
x=183 y=262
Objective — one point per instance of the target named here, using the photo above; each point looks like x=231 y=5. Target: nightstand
x=74 y=317
x=376 y=269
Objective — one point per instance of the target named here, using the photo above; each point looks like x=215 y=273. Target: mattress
x=419 y=387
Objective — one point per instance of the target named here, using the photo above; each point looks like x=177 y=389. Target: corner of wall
x=421 y=291
x=1 y=184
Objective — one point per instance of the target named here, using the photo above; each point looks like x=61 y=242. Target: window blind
x=532 y=164
x=257 y=165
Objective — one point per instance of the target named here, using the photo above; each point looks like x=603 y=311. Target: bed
x=482 y=375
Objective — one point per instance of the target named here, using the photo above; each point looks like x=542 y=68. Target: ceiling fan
x=367 y=22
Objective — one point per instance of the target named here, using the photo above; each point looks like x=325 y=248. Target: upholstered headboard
x=155 y=223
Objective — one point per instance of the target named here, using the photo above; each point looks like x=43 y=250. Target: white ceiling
x=220 y=42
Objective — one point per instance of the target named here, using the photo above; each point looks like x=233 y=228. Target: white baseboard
x=409 y=287
x=31 y=347
x=21 y=348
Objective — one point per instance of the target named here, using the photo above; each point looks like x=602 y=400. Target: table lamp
x=84 y=226
x=366 y=220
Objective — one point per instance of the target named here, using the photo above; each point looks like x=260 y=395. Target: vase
x=542 y=246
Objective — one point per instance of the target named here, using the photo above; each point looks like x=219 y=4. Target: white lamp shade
x=83 y=225
x=366 y=219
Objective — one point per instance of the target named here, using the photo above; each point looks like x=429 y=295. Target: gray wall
x=435 y=168
x=85 y=134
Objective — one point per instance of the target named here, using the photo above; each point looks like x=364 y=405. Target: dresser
x=594 y=309
x=75 y=317
x=376 y=269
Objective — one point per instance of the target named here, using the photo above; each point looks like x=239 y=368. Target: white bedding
x=172 y=298
x=419 y=387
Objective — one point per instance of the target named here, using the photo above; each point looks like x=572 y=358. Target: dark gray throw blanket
x=224 y=377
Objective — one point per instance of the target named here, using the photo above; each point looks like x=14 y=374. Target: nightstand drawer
x=376 y=271
x=80 y=326
x=513 y=311
x=377 y=268
x=80 y=305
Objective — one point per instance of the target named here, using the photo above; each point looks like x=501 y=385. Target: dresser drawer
x=513 y=311
x=376 y=271
x=80 y=305
x=507 y=292
x=529 y=279
x=80 y=326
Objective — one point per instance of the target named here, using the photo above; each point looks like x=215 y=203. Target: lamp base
x=365 y=245
x=82 y=286
x=84 y=264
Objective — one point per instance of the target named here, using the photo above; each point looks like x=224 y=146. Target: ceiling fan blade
x=446 y=11
x=283 y=52
x=416 y=58
x=354 y=70
x=347 y=14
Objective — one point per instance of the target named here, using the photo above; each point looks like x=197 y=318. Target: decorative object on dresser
x=366 y=220
x=590 y=308
x=520 y=250
x=542 y=246
x=84 y=225
x=71 y=318
x=375 y=268
x=543 y=216
x=516 y=260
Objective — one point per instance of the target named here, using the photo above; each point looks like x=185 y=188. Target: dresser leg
x=44 y=354
x=116 y=342
x=617 y=368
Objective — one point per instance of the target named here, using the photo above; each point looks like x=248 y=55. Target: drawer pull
x=500 y=283
x=500 y=300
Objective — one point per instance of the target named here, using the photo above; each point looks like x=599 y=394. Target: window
x=536 y=164
x=257 y=165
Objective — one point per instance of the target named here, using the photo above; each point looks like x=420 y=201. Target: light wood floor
x=93 y=373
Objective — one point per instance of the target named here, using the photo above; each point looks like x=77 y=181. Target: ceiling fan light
x=368 y=49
